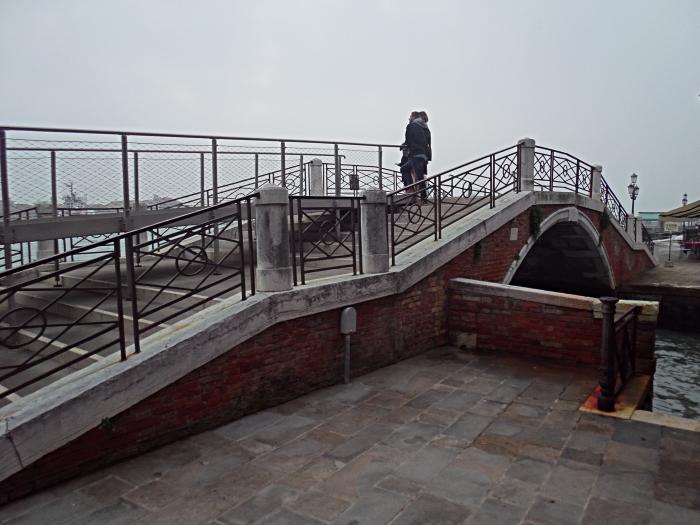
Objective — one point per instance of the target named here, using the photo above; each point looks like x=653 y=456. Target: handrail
x=189 y=136
x=159 y=225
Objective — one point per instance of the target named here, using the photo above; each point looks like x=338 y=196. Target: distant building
x=652 y=222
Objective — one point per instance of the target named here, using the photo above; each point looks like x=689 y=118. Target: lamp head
x=633 y=178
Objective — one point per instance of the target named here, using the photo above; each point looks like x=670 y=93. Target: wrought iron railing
x=325 y=235
x=117 y=290
x=560 y=171
x=618 y=351
x=421 y=210
x=613 y=204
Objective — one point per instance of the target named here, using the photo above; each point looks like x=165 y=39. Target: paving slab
x=446 y=437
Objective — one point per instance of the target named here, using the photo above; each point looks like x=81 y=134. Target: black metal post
x=301 y=175
x=120 y=306
x=283 y=164
x=54 y=214
x=257 y=171
x=125 y=181
x=492 y=181
x=381 y=183
x=578 y=171
x=7 y=233
x=551 y=171
x=251 y=246
x=131 y=287
x=337 y=169
x=215 y=198
x=608 y=372
x=202 y=183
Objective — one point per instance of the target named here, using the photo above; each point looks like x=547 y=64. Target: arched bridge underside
x=567 y=256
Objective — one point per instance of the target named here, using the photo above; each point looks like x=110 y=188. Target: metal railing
x=618 y=352
x=421 y=210
x=116 y=291
x=560 y=171
x=325 y=235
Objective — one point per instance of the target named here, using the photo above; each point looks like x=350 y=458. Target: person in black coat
x=418 y=142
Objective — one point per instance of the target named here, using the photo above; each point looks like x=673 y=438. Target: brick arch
x=569 y=214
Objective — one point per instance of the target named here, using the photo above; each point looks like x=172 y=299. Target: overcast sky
x=614 y=82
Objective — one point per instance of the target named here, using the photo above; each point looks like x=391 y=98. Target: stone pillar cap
x=272 y=194
x=527 y=142
x=374 y=196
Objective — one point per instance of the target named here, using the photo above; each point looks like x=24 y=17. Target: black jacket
x=418 y=139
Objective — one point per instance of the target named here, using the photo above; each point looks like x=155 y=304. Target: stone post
x=375 y=244
x=596 y=182
x=317 y=186
x=526 y=164
x=274 y=271
x=45 y=248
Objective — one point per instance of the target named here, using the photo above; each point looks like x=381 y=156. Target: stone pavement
x=444 y=438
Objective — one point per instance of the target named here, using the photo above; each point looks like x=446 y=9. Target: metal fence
x=325 y=235
x=560 y=171
x=108 y=295
x=618 y=352
x=423 y=209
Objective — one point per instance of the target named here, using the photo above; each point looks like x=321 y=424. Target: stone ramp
x=445 y=437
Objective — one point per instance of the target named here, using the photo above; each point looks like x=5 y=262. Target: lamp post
x=633 y=190
x=685 y=199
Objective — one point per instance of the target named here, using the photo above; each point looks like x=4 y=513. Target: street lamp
x=633 y=190
x=685 y=199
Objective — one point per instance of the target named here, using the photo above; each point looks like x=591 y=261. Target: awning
x=689 y=211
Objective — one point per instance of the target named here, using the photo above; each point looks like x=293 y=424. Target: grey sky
x=615 y=83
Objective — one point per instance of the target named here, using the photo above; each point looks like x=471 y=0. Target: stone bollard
x=526 y=167
x=45 y=248
x=596 y=182
x=317 y=185
x=274 y=271
x=375 y=245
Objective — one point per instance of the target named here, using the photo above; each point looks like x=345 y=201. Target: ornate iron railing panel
x=613 y=204
x=413 y=216
x=107 y=295
x=355 y=177
x=626 y=346
x=618 y=351
x=559 y=171
x=325 y=230
x=60 y=320
x=421 y=210
x=178 y=269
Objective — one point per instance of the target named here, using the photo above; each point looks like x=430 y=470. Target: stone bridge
x=191 y=354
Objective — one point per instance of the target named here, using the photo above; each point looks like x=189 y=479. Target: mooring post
x=607 y=376
x=274 y=269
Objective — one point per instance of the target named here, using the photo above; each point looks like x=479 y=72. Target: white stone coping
x=47 y=419
x=650 y=309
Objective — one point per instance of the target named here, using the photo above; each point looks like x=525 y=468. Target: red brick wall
x=282 y=363
x=530 y=328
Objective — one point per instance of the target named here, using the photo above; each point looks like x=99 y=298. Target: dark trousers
x=420 y=169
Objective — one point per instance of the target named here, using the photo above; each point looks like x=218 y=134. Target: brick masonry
x=295 y=357
x=541 y=325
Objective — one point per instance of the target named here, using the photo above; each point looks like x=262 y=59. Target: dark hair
x=423 y=115
x=414 y=114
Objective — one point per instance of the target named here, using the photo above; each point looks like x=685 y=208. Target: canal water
x=677 y=378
